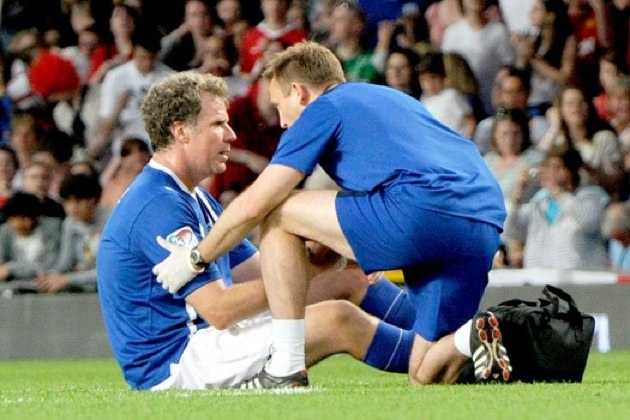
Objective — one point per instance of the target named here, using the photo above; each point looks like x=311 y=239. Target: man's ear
x=303 y=92
x=179 y=131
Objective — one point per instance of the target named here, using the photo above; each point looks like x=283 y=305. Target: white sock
x=288 y=347
x=462 y=339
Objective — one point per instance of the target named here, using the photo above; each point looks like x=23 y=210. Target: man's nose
x=230 y=135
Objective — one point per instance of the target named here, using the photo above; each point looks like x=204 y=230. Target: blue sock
x=390 y=349
x=390 y=303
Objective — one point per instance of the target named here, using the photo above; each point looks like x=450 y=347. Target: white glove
x=176 y=270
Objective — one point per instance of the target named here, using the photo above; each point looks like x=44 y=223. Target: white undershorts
x=221 y=358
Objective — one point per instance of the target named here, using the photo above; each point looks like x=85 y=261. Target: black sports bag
x=546 y=341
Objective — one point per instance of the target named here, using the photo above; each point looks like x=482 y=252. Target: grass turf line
x=343 y=389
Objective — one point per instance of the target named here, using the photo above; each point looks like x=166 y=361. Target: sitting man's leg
x=339 y=327
x=319 y=215
x=375 y=294
x=308 y=214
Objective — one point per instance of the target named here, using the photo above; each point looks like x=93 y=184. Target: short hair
x=177 y=98
x=306 y=62
x=23 y=204
x=522 y=74
x=518 y=117
x=571 y=159
x=129 y=144
x=432 y=63
x=82 y=166
x=148 y=37
x=59 y=144
x=80 y=186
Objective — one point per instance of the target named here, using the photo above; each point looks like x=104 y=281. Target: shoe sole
x=489 y=334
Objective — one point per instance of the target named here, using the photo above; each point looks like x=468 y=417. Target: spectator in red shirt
x=592 y=25
x=274 y=26
x=48 y=75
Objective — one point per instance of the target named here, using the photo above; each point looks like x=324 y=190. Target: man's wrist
x=196 y=260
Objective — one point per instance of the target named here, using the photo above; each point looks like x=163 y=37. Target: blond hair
x=177 y=98
x=306 y=62
x=459 y=75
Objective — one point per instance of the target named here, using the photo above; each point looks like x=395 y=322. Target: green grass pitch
x=341 y=389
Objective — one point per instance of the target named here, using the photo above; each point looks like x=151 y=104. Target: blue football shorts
x=445 y=259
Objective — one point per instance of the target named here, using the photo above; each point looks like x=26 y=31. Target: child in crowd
x=448 y=105
x=75 y=269
x=36 y=180
x=29 y=242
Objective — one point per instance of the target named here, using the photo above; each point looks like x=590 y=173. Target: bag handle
x=553 y=296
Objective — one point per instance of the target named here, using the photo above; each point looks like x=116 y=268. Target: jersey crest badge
x=183 y=237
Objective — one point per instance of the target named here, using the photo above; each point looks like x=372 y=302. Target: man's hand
x=176 y=270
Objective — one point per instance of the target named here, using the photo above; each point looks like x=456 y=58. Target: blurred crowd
x=541 y=86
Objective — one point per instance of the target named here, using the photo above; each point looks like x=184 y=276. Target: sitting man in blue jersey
x=416 y=196
x=210 y=333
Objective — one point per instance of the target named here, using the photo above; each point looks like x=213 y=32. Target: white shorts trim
x=221 y=358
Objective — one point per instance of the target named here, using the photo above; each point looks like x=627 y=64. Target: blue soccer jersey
x=369 y=138
x=148 y=327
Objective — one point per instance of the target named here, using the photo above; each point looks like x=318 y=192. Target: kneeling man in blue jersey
x=415 y=196
x=210 y=332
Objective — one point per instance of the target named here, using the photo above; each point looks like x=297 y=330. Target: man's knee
x=343 y=313
x=349 y=327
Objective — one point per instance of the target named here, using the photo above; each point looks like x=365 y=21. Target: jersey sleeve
x=242 y=251
x=174 y=220
x=312 y=135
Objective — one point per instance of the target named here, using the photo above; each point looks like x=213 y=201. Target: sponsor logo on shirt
x=183 y=237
